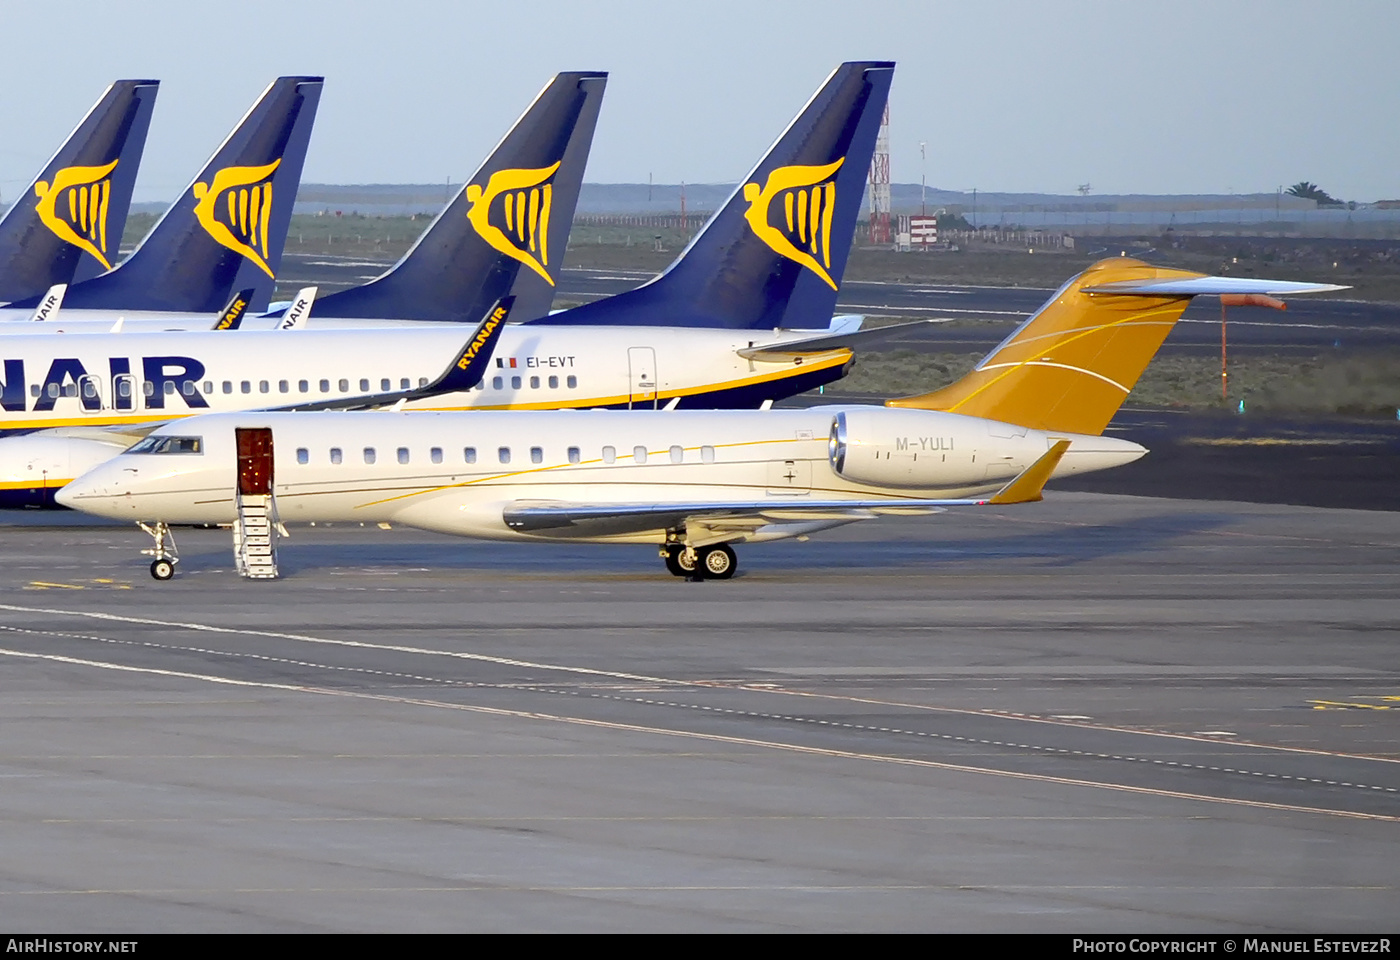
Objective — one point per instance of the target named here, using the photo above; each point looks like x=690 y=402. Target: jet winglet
x=1026 y=487
x=464 y=372
x=232 y=314
x=49 y=306
x=300 y=311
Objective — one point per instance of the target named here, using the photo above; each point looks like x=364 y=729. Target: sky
x=1156 y=96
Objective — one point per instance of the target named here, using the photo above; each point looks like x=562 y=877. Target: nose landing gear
x=164 y=550
x=706 y=563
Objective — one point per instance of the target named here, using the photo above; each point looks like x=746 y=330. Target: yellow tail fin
x=1070 y=366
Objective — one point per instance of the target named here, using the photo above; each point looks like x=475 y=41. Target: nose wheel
x=706 y=563
x=164 y=550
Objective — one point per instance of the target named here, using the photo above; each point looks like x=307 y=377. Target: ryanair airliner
x=689 y=484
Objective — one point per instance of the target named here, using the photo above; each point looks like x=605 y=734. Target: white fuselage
x=462 y=473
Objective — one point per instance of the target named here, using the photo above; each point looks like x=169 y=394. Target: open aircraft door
x=254 y=461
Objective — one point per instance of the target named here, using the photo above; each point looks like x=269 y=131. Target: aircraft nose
x=91 y=492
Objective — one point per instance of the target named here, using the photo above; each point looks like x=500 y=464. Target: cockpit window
x=169 y=445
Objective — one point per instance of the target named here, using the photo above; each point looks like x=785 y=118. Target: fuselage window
x=403 y=454
x=639 y=454
x=364 y=386
x=384 y=385
x=304 y=386
x=188 y=388
x=124 y=388
x=303 y=455
x=534 y=383
x=246 y=386
x=435 y=454
x=469 y=454
x=335 y=454
x=610 y=454
x=89 y=389
x=498 y=383
x=71 y=389
x=554 y=383
x=572 y=382
x=677 y=454
x=344 y=386
x=403 y=384
x=422 y=381
x=504 y=454
x=34 y=389
x=148 y=388
x=369 y=454
x=515 y=383
x=283 y=386
x=707 y=454
x=169 y=445
x=170 y=388
x=573 y=455
x=262 y=386
x=325 y=386
x=208 y=386
x=537 y=454
x=228 y=386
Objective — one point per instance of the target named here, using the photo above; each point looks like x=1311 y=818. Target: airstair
x=255 y=537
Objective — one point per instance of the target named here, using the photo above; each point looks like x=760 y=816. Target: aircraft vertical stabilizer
x=228 y=228
x=505 y=233
x=67 y=225
x=774 y=254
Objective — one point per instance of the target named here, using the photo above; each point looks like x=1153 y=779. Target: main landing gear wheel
x=162 y=568
x=718 y=563
x=676 y=562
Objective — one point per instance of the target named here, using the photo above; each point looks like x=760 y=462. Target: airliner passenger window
x=124 y=388
x=435 y=454
x=344 y=386
x=208 y=386
x=335 y=454
x=403 y=383
x=639 y=454
x=148 y=388
x=469 y=454
x=364 y=385
x=228 y=386
x=283 y=386
x=262 y=386
x=384 y=385
x=573 y=455
x=515 y=383
x=504 y=454
x=89 y=389
x=325 y=386
x=245 y=387
x=554 y=383
x=422 y=381
x=170 y=388
x=187 y=388
x=571 y=382
x=677 y=454
x=534 y=383
x=537 y=454
x=369 y=454
x=403 y=454
x=610 y=454
x=707 y=454
x=303 y=386
x=498 y=383
x=161 y=445
x=33 y=389
x=303 y=455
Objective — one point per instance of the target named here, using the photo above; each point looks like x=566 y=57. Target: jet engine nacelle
x=892 y=447
x=34 y=466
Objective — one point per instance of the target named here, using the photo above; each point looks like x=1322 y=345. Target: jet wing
x=464 y=372
x=552 y=517
x=1205 y=286
x=784 y=350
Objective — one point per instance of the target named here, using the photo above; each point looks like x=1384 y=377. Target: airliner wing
x=783 y=350
x=552 y=517
x=464 y=372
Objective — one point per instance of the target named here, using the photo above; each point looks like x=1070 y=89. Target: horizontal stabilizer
x=464 y=372
x=784 y=350
x=1027 y=487
x=1208 y=286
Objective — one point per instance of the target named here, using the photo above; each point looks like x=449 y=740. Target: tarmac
x=1096 y=714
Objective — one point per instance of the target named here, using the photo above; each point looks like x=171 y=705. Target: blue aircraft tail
x=67 y=225
x=227 y=230
x=504 y=234
x=774 y=254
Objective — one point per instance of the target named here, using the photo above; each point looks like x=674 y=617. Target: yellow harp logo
x=239 y=221
x=521 y=220
x=83 y=193
x=808 y=204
